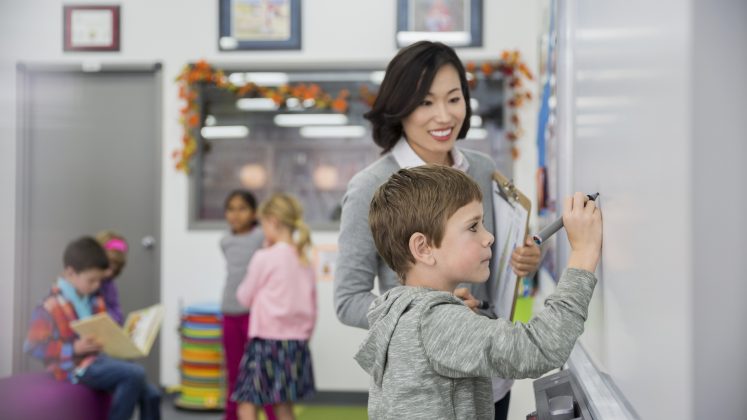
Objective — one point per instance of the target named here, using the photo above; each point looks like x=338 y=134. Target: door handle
x=149 y=242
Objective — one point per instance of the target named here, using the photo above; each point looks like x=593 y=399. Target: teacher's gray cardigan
x=358 y=262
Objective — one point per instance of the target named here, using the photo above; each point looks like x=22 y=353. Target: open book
x=132 y=341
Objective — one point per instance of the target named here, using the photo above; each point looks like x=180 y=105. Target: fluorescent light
x=259 y=78
x=267 y=78
x=256 y=104
x=475 y=121
x=333 y=131
x=299 y=120
x=477 y=134
x=225 y=132
x=293 y=103
x=237 y=79
x=210 y=120
x=377 y=77
x=474 y=104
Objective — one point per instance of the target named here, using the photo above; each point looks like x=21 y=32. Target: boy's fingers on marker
x=567 y=204
x=578 y=200
x=590 y=206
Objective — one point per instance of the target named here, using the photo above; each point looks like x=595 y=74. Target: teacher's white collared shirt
x=407 y=158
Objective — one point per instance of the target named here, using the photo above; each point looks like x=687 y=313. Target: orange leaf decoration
x=510 y=66
x=193 y=121
x=487 y=69
x=340 y=105
x=313 y=91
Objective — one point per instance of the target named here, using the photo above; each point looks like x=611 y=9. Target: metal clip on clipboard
x=512 y=195
x=509 y=191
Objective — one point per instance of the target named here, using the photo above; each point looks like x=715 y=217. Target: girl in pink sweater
x=280 y=290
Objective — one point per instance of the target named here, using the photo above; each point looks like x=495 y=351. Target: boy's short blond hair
x=414 y=200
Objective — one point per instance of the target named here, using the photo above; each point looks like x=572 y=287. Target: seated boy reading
x=428 y=354
x=78 y=359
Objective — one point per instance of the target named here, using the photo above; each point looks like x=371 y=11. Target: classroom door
x=90 y=148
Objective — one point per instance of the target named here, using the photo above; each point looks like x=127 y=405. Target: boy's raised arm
x=461 y=344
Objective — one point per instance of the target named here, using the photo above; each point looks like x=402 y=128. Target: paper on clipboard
x=511 y=212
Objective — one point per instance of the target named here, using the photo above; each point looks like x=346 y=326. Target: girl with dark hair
x=238 y=246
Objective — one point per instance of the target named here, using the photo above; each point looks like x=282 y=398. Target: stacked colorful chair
x=202 y=384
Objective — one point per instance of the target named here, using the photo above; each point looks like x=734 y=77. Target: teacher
x=421 y=110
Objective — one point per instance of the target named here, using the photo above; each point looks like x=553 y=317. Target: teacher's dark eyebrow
x=448 y=93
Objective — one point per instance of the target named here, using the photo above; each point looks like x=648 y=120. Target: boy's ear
x=420 y=249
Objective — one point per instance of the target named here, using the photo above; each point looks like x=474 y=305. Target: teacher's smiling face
x=432 y=128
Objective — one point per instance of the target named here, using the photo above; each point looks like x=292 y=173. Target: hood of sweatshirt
x=383 y=316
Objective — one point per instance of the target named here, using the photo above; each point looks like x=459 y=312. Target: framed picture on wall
x=90 y=28
x=260 y=25
x=457 y=23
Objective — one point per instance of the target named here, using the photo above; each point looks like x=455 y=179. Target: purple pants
x=235 y=333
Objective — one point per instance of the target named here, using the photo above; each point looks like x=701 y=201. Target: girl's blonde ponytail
x=289 y=212
x=303 y=240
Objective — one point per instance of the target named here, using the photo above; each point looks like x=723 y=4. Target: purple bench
x=37 y=396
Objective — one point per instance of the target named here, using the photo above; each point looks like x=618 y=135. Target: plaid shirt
x=50 y=338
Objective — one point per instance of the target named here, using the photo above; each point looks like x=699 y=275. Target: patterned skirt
x=274 y=371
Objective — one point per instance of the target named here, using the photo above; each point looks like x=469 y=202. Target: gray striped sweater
x=430 y=357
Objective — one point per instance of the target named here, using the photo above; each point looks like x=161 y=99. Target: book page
x=115 y=340
x=143 y=326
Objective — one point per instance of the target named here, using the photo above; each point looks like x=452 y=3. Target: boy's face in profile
x=464 y=254
x=86 y=281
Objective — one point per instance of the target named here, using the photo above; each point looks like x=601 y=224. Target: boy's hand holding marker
x=583 y=224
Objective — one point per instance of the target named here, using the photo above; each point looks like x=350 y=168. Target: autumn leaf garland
x=510 y=66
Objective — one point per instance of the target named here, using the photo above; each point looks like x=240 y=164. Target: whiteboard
x=622 y=112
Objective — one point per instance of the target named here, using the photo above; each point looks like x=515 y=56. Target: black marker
x=555 y=226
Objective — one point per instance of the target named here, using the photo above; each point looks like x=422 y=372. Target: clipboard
x=511 y=210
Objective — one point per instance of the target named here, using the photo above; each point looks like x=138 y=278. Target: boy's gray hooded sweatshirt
x=430 y=357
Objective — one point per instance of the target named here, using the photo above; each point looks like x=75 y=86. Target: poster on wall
x=260 y=25
x=324 y=259
x=91 y=28
x=457 y=23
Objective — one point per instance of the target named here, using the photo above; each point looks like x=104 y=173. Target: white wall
x=176 y=32
x=7 y=192
x=719 y=126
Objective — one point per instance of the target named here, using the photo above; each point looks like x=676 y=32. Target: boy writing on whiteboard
x=428 y=354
